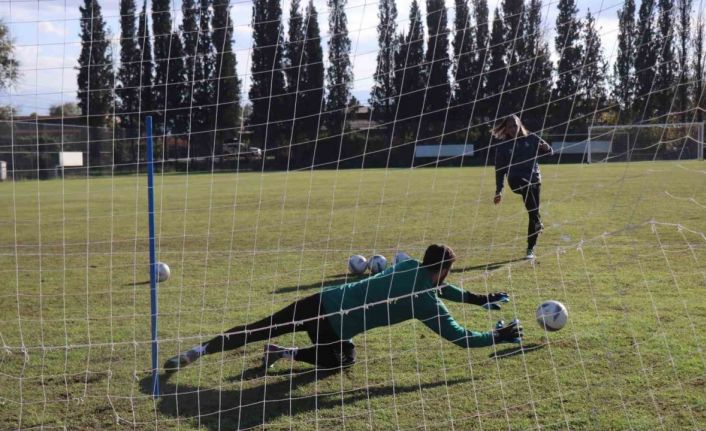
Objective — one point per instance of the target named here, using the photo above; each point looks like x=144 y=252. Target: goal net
x=678 y=141
x=288 y=137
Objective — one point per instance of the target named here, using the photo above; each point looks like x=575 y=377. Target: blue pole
x=153 y=263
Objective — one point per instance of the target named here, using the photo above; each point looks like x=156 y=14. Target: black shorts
x=519 y=185
x=329 y=350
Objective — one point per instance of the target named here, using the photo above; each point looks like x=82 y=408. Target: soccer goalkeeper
x=332 y=317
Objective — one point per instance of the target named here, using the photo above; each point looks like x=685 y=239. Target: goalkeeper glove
x=493 y=301
x=510 y=333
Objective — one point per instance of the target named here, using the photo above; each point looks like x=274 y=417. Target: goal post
x=636 y=142
x=153 y=258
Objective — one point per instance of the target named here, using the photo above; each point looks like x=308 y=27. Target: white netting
x=286 y=143
x=677 y=141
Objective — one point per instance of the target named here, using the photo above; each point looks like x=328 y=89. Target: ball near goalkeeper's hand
x=510 y=333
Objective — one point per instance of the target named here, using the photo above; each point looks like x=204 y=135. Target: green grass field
x=624 y=249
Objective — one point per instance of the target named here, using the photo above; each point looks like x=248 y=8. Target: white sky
x=46 y=34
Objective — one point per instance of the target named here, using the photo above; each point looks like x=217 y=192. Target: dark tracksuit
x=517 y=159
x=338 y=313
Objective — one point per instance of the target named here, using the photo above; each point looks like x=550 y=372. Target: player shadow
x=488 y=266
x=256 y=406
x=514 y=351
x=333 y=281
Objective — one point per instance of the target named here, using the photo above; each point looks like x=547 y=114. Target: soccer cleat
x=530 y=254
x=272 y=354
x=181 y=360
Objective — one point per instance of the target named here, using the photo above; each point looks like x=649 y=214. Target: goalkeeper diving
x=333 y=316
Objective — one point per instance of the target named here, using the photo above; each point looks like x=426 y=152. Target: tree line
x=434 y=81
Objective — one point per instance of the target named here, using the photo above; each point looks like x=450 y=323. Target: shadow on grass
x=218 y=409
x=333 y=281
x=488 y=266
x=513 y=351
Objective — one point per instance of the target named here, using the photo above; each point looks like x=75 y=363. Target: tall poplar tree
x=593 y=79
x=293 y=59
x=204 y=83
x=684 y=8
x=481 y=58
x=267 y=81
x=410 y=81
x=190 y=36
x=95 y=77
x=383 y=95
x=311 y=89
x=128 y=89
x=624 y=66
x=497 y=71
x=177 y=108
x=666 y=77
x=516 y=80
x=438 y=67
x=339 y=77
x=646 y=56
x=227 y=83
x=565 y=97
x=464 y=90
x=538 y=67
x=161 y=31
x=699 y=67
x=144 y=41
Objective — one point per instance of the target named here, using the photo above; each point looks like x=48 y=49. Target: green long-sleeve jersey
x=402 y=292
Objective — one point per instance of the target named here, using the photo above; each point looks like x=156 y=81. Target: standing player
x=332 y=317
x=516 y=157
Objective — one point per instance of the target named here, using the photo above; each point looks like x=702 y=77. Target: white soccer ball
x=400 y=256
x=163 y=272
x=377 y=263
x=357 y=264
x=552 y=315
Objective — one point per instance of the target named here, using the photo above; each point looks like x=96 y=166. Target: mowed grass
x=624 y=250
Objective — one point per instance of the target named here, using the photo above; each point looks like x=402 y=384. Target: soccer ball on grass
x=163 y=272
x=377 y=263
x=357 y=264
x=552 y=315
x=400 y=256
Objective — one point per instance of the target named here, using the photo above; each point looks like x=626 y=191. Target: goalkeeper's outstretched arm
x=490 y=301
x=448 y=328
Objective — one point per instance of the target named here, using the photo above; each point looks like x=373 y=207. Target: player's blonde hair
x=500 y=131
